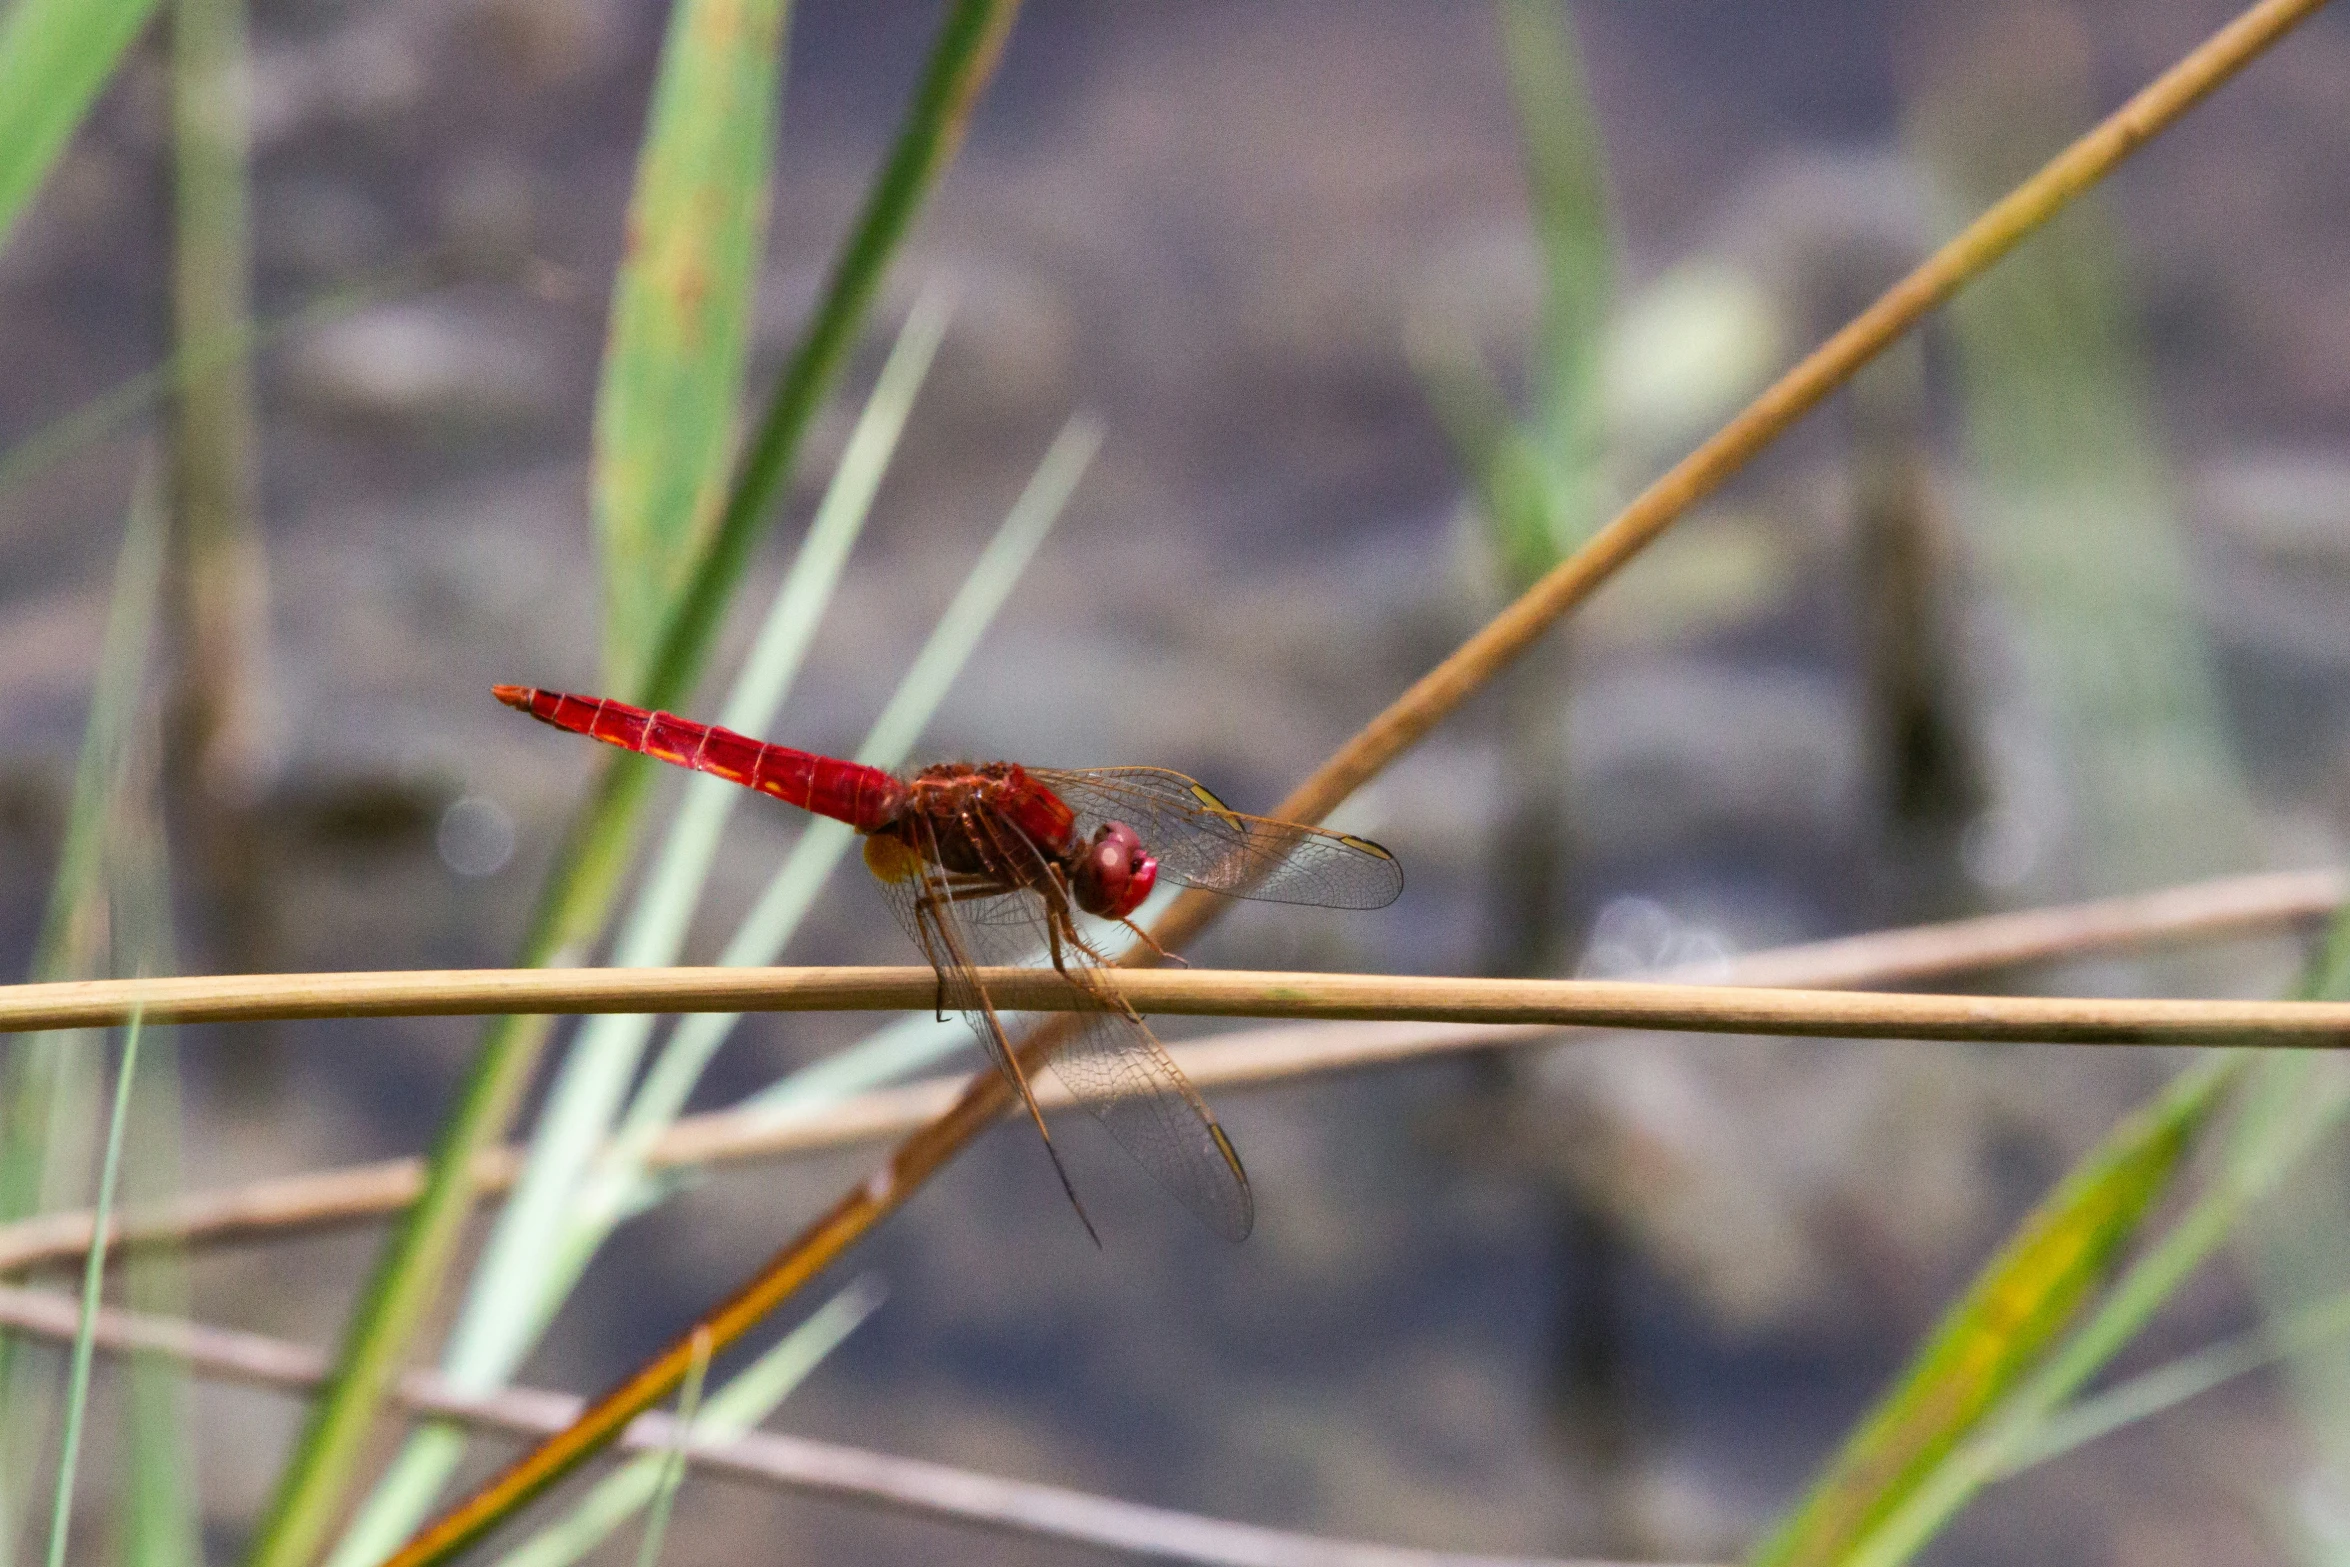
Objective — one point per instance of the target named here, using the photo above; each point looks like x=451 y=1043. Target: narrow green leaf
x=2074 y=512
x=671 y=1473
x=161 y=1522
x=48 y=1090
x=85 y=1339
x=54 y=57
x=590 y=863
x=681 y=312
x=2167 y=1386
x=970 y=40
x=2281 y=1116
x=161 y=1514
x=2003 y=1326
x=1566 y=188
x=1518 y=492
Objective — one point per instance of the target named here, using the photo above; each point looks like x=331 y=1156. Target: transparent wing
x=1111 y=1063
x=1202 y=842
x=1117 y=1070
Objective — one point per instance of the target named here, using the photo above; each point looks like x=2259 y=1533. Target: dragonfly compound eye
x=1115 y=872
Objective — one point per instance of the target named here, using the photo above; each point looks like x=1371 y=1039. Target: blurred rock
x=425 y=368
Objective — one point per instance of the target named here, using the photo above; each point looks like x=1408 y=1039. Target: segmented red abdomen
x=866 y=798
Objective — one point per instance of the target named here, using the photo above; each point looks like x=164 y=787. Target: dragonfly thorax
x=997 y=822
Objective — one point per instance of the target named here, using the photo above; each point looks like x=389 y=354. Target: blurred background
x=1381 y=308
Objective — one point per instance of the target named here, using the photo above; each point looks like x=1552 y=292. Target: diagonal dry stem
x=1437 y=694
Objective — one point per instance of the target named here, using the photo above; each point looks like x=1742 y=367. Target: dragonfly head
x=1114 y=873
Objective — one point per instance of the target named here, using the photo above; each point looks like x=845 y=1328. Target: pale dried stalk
x=1606 y=1003
x=761 y=1457
x=2230 y=906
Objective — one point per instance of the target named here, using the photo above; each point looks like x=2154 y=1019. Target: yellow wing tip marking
x=1230 y=1153
x=890 y=860
x=1366 y=845
x=1206 y=797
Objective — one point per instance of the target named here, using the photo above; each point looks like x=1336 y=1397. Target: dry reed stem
x=761 y=1457
x=1427 y=998
x=1411 y=716
x=2229 y=906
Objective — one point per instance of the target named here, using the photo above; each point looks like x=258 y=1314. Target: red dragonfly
x=985 y=865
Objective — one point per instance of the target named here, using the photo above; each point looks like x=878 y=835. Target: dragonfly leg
x=1060 y=924
x=1006 y=1057
x=1150 y=941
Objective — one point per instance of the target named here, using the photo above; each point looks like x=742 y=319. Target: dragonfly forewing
x=1202 y=842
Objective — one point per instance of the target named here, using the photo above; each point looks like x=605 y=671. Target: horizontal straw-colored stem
x=767 y=1458
x=1426 y=998
x=2233 y=906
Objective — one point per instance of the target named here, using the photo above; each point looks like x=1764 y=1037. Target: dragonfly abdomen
x=866 y=798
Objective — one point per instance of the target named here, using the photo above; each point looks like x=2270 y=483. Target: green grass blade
x=54 y=57
x=590 y=863
x=2166 y=1387
x=681 y=312
x=67 y=948
x=672 y=1470
x=2002 y=1327
x=161 y=1522
x=970 y=39
x=2281 y=1118
x=517 y=1286
x=85 y=1344
x=742 y=1403
x=656 y=929
x=2287 y=1104
x=2075 y=514
x=1517 y=491
x=161 y=1514
x=48 y=1091
x=1539 y=485
x=1566 y=187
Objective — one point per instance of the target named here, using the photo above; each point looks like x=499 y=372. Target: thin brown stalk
x=1427 y=998
x=765 y=1458
x=1420 y=708
x=2230 y=906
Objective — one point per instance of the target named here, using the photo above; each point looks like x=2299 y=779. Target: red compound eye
x=1115 y=873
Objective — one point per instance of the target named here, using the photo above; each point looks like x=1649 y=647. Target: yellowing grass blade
x=2002 y=1326
x=681 y=312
